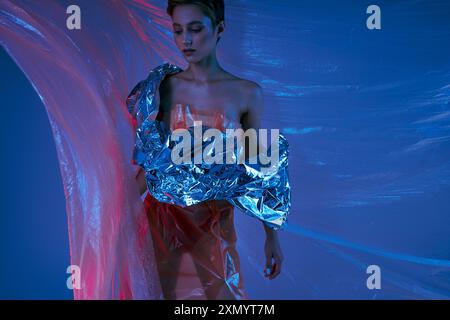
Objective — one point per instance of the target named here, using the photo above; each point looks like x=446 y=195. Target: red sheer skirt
x=195 y=249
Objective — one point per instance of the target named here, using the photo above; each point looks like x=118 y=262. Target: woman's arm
x=252 y=119
x=142 y=184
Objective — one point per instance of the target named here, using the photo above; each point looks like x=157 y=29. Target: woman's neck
x=205 y=70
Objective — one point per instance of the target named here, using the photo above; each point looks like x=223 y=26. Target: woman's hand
x=274 y=256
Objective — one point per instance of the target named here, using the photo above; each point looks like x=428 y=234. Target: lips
x=188 y=52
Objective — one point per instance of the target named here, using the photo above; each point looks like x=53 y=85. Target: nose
x=187 y=41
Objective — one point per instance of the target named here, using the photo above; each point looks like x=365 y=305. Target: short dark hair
x=214 y=9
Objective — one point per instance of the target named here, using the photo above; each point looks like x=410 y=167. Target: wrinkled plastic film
x=83 y=78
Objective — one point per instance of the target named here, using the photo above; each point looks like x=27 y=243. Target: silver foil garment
x=265 y=195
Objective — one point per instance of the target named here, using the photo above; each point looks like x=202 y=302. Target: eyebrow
x=190 y=23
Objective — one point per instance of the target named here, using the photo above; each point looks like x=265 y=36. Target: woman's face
x=193 y=32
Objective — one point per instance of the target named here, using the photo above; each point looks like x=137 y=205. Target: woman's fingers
x=268 y=267
x=274 y=258
x=275 y=268
x=276 y=271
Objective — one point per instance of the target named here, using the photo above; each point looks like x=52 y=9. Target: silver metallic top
x=264 y=194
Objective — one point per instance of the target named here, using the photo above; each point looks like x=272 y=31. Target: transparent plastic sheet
x=83 y=78
x=365 y=112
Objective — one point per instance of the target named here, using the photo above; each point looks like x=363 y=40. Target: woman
x=195 y=245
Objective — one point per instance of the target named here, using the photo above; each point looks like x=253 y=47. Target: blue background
x=367 y=116
x=34 y=243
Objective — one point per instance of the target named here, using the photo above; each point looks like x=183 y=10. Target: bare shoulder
x=253 y=95
x=250 y=90
x=247 y=85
